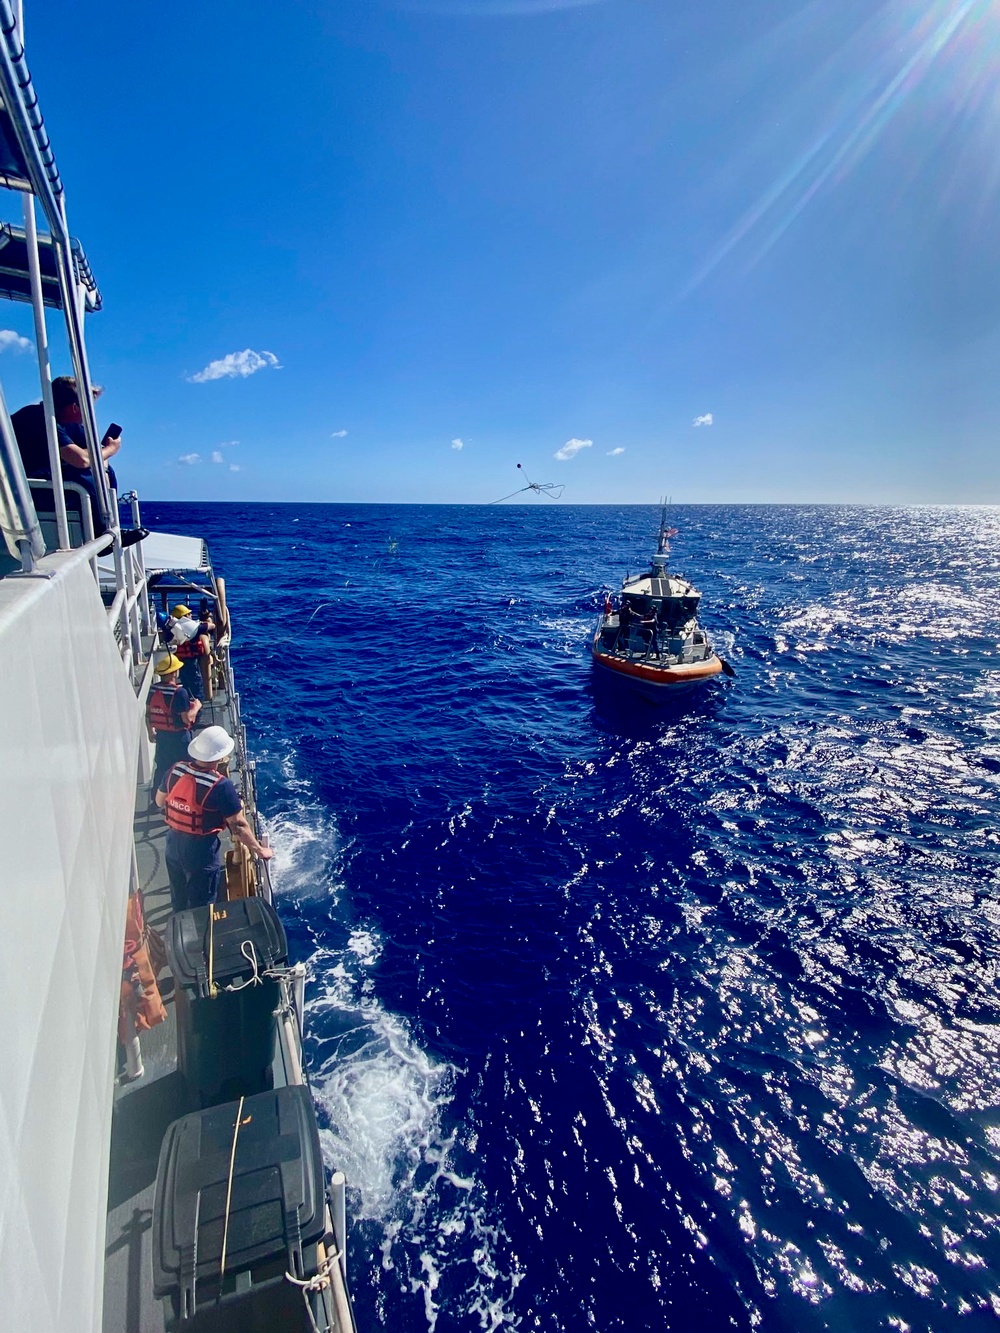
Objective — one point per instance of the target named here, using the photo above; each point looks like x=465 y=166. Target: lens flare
x=956 y=41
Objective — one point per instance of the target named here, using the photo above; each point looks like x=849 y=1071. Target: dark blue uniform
x=194 y=861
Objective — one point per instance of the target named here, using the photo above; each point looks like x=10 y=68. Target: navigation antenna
x=550 y=488
x=663 y=544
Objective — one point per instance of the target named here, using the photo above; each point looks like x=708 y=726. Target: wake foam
x=425 y=1228
x=385 y=1104
x=303 y=834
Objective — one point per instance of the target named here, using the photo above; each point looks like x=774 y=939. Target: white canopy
x=165 y=550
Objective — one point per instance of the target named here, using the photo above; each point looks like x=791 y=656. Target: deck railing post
x=338 y=1207
x=69 y=290
x=132 y=606
x=18 y=518
x=145 y=618
x=45 y=371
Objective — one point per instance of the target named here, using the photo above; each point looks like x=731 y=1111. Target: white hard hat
x=212 y=744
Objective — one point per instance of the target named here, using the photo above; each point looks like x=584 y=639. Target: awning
x=163 y=552
x=15 y=283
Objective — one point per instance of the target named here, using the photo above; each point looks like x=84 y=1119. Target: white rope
x=259 y=974
x=250 y=954
x=320 y=1281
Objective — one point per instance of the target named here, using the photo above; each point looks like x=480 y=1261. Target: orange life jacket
x=193 y=648
x=188 y=789
x=159 y=709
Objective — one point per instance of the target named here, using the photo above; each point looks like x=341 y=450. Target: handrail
x=86 y=514
x=115 y=609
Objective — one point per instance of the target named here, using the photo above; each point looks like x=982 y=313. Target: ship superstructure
x=170 y=1179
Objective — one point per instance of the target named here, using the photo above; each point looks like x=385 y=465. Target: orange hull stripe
x=679 y=675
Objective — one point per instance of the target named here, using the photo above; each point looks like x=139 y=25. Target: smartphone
x=113 y=431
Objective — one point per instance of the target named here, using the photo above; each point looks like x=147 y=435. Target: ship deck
x=145 y=1106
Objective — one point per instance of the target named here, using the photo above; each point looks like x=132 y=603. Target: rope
x=229 y=1190
x=250 y=954
x=320 y=1281
x=213 y=989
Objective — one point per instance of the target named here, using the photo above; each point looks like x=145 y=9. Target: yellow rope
x=229 y=1190
x=212 y=987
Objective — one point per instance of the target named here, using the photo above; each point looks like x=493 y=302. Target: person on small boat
x=198 y=802
x=170 y=715
x=624 y=623
x=649 y=629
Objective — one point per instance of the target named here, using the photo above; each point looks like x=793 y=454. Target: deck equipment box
x=225 y=1040
x=273 y=1180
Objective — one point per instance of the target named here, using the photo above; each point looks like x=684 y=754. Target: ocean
x=624 y=1017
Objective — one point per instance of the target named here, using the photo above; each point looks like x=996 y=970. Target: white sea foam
x=385 y=1103
x=304 y=836
x=383 y=1099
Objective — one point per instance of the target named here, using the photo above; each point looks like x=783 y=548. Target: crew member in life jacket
x=193 y=645
x=199 y=801
x=170 y=715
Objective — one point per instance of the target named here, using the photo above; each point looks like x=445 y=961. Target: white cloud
x=189 y=458
x=11 y=341
x=458 y=444
x=217 y=457
x=338 y=434
x=236 y=366
x=229 y=444
x=571 y=448
x=613 y=453
x=705 y=420
x=234 y=467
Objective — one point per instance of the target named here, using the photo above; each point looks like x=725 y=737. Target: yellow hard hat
x=180 y=610
x=166 y=666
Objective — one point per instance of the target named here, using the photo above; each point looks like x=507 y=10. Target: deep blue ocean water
x=624 y=1018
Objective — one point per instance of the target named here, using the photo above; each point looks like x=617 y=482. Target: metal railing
x=129 y=613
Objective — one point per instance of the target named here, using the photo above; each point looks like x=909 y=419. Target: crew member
x=170 y=715
x=624 y=624
x=199 y=801
x=193 y=645
x=648 y=628
x=178 y=612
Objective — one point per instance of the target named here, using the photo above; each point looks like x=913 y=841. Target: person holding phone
x=29 y=427
x=73 y=439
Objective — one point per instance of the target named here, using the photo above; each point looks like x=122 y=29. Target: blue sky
x=518 y=224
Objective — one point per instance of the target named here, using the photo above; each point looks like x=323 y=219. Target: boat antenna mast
x=663 y=541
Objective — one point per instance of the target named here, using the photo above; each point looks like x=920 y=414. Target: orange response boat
x=652 y=641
